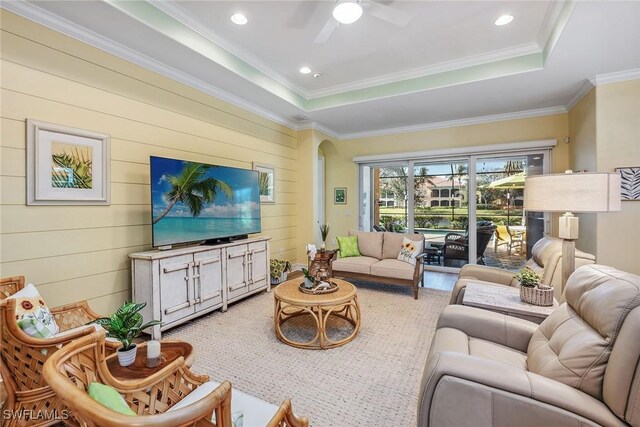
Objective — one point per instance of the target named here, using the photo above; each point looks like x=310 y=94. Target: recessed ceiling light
x=316 y=75
x=305 y=70
x=504 y=20
x=239 y=19
x=347 y=12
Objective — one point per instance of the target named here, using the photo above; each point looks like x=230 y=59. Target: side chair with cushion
x=580 y=367
x=155 y=400
x=22 y=356
x=546 y=260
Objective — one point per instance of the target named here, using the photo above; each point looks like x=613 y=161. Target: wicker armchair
x=70 y=371
x=456 y=246
x=10 y=285
x=286 y=418
x=22 y=356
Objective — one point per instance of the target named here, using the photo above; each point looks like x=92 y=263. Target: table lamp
x=571 y=192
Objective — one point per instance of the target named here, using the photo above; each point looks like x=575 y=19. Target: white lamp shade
x=572 y=192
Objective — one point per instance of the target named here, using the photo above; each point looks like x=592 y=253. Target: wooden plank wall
x=74 y=253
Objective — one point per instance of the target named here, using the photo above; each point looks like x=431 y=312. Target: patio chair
x=456 y=245
x=379 y=228
x=72 y=369
x=501 y=238
x=517 y=240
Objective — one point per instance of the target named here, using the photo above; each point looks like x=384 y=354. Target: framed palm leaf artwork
x=267 y=182
x=66 y=166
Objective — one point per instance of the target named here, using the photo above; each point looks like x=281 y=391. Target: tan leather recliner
x=546 y=260
x=580 y=367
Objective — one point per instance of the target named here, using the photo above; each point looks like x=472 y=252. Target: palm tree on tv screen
x=192 y=188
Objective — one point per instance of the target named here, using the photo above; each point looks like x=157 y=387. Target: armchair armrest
x=488 y=325
x=488 y=274
x=452 y=378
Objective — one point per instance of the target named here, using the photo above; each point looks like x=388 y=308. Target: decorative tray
x=318 y=289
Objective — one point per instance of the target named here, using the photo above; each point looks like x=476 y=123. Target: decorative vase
x=127 y=357
x=537 y=296
x=308 y=283
x=278 y=280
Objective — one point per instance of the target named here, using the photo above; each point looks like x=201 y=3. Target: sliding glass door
x=469 y=208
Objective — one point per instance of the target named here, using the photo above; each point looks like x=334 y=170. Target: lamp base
x=568 y=226
x=568 y=260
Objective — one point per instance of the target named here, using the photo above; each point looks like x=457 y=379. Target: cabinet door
x=176 y=288
x=207 y=279
x=257 y=265
x=237 y=277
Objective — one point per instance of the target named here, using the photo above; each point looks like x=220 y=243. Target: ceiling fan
x=349 y=11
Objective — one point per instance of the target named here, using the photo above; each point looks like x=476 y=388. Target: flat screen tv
x=200 y=202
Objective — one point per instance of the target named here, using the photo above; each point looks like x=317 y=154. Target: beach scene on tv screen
x=195 y=201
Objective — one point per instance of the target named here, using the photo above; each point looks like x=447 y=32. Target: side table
x=170 y=350
x=505 y=300
x=322 y=259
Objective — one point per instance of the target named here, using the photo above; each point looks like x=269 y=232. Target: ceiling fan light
x=347 y=12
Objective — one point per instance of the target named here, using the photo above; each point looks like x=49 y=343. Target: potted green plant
x=324 y=232
x=531 y=290
x=309 y=280
x=279 y=270
x=125 y=325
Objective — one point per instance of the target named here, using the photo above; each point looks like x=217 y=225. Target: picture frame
x=267 y=182
x=629 y=183
x=340 y=196
x=67 y=166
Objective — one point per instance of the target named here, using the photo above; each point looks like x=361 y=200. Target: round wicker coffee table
x=291 y=303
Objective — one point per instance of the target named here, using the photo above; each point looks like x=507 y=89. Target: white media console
x=181 y=284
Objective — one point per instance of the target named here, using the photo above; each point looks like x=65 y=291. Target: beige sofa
x=580 y=367
x=378 y=260
x=546 y=260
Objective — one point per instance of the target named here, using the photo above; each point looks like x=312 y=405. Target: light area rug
x=371 y=381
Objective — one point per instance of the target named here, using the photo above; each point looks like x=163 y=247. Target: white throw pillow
x=409 y=250
x=32 y=314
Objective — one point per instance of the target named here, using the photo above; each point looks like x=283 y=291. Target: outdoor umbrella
x=509 y=182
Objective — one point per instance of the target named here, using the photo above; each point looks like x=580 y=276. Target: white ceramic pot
x=127 y=357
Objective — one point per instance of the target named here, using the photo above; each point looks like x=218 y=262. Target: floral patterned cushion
x=32 y=314
x=409 y=250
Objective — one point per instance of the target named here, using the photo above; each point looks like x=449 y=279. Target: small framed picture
x=66 y=166
x=340 y=195
x=266 y=181
x=630 y=183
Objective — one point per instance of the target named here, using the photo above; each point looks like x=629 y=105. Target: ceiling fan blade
x=392 y=15
x=326 y=31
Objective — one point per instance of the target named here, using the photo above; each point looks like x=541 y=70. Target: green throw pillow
x=348 y=246
x=109 y=397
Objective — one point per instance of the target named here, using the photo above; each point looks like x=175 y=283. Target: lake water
x=171 y=230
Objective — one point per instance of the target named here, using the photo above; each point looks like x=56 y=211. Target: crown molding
x=443 y=67
x=321 y=128
x=456 y=123
x=619 y=76
x=68 y=28
x=173 y=9
x=584 y=89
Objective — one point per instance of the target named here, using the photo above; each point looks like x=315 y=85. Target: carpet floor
x=371 y=381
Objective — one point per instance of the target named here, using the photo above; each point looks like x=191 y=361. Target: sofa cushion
x=357 y=264
x=369 y=244
x=32 y=314
x=393 y=243
x=574 y=343
x=348 y=246
x=393 y=268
